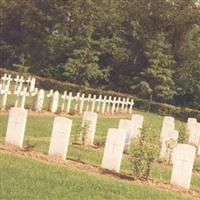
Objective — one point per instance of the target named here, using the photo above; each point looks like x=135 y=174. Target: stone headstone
x=137 y=123
x=90 y=120
x=16 y=126
x=167 y=125
x=49 y=96
x=183 y=160
x=54 y=102
x=113 y=151
x=190 y=124
x=125 y=124
x=39 y=100
x=194 y=136
x=198 y=149
x=113 y=105
x=32 y=85
x=60 y=137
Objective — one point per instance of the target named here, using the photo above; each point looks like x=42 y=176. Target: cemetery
x=100 y=100
x=98 y=134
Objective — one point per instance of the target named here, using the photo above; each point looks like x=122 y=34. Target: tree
x=157 y=77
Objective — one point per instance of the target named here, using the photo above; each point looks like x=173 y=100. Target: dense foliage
x=149 y=48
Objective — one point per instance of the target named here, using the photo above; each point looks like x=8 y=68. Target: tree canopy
x=148 y=48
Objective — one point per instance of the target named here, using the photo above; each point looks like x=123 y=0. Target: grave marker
x=54 y=102
x=88 y=102
x=194 y=136
x=16 y=126
x=104 y=104
x=113 y=151
x=60 y=137
x=63 y=97
x=90 y=120
x=137 y=123
x=125 y=125
x=32 y=85
x=69 y=101
x=39 y=100
x=82 y=99
x=167 y=125
x=183 y=160
x=93 y=103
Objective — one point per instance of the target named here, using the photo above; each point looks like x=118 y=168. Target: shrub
x=84 y=131
x=183 y=134
x=144 y=151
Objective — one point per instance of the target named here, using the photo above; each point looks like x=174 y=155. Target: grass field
x=38 y=133
x=25 y=179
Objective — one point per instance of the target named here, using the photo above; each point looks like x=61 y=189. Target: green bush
x=183 y=134
x=143 y=153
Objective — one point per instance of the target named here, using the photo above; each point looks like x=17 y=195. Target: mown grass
x=38 y=133
x=25 y=179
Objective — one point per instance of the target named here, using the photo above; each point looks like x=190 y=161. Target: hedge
x=141 y=104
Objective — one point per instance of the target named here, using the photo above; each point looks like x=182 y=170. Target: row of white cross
x=19 y=81
x=65 y=102
x=91 y=103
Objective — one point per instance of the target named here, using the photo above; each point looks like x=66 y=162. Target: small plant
x=28 y=146
x=183 y=134
x=143 y=153
x=85 y=131
x=170 y=144
x=58 y=111
x=100 y=142
x=72 y=112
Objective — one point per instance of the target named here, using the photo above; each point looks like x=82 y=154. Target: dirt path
x=94 y=169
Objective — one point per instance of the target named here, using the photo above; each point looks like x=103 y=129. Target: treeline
x=148 y=48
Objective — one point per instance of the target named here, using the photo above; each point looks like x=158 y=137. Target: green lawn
x=38 y=132
x=26 y=179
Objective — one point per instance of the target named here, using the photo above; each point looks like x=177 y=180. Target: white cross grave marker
x=69 y=100
x=54 y=102
x=93 y=103
x=16 y=126
x=63 y=97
